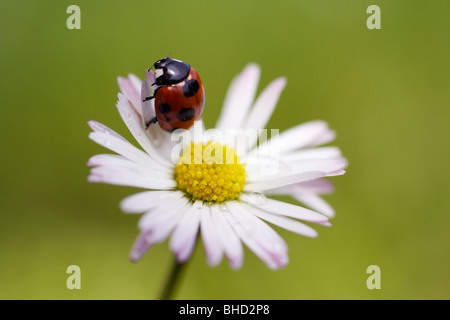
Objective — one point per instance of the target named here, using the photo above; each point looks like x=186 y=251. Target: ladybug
x=179 y=96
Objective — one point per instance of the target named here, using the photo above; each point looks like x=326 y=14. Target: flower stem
x=172 y=279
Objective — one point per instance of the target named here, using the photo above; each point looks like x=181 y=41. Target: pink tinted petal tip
x=140 y=246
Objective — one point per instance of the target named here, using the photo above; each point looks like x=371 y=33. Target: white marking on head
x=158 y=73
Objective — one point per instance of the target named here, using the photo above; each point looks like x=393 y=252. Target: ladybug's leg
x=153 y=120
x=151 y=97
x=148 y=98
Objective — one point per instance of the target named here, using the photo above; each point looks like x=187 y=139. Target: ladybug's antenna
x=150 y=68
x=170 y=53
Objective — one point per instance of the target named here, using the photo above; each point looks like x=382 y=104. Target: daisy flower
x=227 y=203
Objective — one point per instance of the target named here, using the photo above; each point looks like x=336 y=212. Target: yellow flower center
x=210 y=172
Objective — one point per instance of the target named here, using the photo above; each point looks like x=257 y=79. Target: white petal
x=307 y=193
x=162 y=219
x=210 y=237
x=134 y=124
x=320 y=186
x=239 y=98
x=162 y=231
x=148 y=106
x=258 y=168
x=150 y=75
x=288 y=210
x=130 y=92
x=182 y=241
x=280 y=181
x=122 y=147
x=267 y=237
x=314 y=153
x=338 y=172
x=146 y=200
x=140 y=246
x=325 y=138
x=324 y=165
x=286 y=167
x=164 y=211
x=256 y=235
x=132 y=177
x=117 y=161
x=316 y=203
x=300 y=136
x=264 y=106
x=138 y=172
x=283 y=222
x=291 y=172
x=231 y=244
x=101 y=128
x=136 y=83
x=109 y=160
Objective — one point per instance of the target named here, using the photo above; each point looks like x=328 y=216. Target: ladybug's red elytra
x=179 y=96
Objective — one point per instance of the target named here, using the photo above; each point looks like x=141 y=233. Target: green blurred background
x=385 y=92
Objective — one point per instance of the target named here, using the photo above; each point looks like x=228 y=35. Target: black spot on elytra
x=164 y=108
x=190 y=87
x=166 y=119
x=186 y=114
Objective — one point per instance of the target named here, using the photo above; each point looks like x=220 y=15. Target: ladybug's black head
x=162 y=63
x=170 y=71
